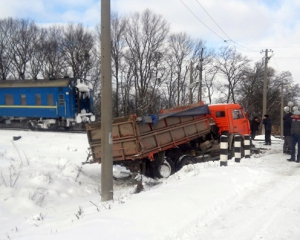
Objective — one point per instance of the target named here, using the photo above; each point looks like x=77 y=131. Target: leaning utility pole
x=191 y=82
x=106 y=106
x=200 y=77
x=265 y=89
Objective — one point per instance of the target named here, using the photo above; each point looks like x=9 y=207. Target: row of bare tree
x=151 y=67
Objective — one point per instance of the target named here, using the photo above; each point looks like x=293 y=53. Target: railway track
x=25 y=128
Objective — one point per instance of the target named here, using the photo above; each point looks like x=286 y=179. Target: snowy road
x=45 y=193
x=269 y=211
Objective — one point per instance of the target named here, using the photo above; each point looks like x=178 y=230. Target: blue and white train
x=46 y=104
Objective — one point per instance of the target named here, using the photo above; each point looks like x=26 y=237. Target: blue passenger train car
x=46 y=103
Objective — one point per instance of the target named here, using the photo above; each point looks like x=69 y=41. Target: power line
x=288 y=57
x=285 y=47
x=212 y=19
x=222 y=29
x=201 y=21
x=229 y=41
x=250 y=50
x=224 y=40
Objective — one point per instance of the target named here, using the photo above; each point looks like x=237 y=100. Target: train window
x=61 y=100
x=9 y=99
x=23 y=99
x=50 y=99
x=38 y=99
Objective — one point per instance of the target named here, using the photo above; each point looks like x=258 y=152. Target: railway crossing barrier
x=237 y=148
x=224 y=150
x=247 y=145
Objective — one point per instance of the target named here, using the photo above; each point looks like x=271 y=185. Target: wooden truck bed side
x=138 y=138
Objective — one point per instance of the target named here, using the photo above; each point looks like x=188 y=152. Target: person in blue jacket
x=268 y=127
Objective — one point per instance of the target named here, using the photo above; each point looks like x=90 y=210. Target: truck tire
x=165 y=169
x=184 y=161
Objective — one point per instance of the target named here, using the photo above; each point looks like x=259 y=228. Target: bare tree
x=5 y=51
x=170 y=85
x=23 y=41
x=77 y=44
x=180 y=47
x=53 y=62
x=274 y=95
x=95 y=73
x=38 y=55
x=145 y=36
x=127 y=88
x=205 y=65
x=249 y=92
x=232 y=66
x=118 y=44
x=208 y=80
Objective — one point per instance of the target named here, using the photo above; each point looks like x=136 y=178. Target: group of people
x=267 y=122
x=291 y=132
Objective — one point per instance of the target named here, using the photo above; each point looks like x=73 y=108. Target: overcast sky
x=250 y=25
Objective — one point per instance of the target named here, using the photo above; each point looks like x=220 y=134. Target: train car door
x=61 y=105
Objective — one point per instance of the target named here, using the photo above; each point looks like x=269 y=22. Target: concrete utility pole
x=191 y=82
x=264 y=110
x=106 y=105
x=200 y=78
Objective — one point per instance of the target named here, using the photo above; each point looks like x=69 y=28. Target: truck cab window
x=220 y=114
x=237 y=114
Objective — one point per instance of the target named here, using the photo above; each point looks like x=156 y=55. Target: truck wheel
x=184 y=161
x=165 y=169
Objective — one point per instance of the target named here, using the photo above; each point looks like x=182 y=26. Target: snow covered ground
x=46 y=193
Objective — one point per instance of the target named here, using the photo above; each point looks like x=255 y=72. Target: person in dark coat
x=254 y=125
x=295 y=131
x=287 y=124
x=268 y=127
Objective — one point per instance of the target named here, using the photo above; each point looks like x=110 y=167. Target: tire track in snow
x=260 y=214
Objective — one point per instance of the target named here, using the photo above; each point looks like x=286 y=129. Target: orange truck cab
x=230 y=120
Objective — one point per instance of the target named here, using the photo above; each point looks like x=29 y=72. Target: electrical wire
x=212 y=19
x=229 y=41
x=222 y=29
x=224 y=40
x=201 y=21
